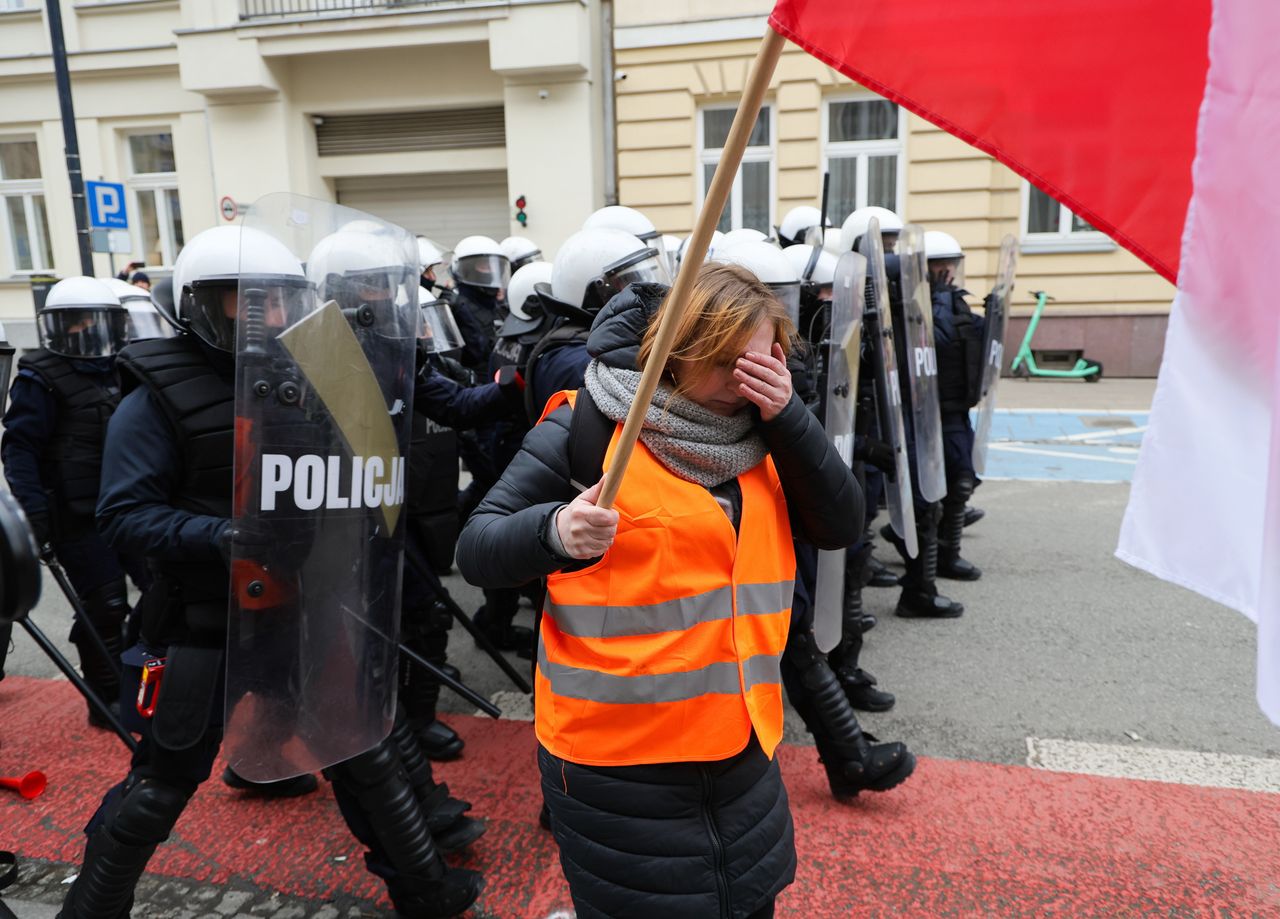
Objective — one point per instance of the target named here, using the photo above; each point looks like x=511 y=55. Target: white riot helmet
x=357 y=267
x=480 y=262
x=522 y=287
x=145 y=320
x=620 y=217
x=593 y=265
x=855 y=225
x=767 y=262
x=797 y=223
x=747 y=234
x=207 y=276
x=82 y=317
x=814 y=265
x=438 y=331
x=946 y=258
x=520 y=252
x=717 y=240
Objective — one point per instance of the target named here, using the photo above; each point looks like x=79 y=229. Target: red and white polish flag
x=1158 y=121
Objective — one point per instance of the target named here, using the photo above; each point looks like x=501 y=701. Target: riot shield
x=922 y=363
x=324 y=390
x=996 y=320
x=844 y=348
x=884 y=355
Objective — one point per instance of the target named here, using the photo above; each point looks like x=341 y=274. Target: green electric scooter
x=1070 y=363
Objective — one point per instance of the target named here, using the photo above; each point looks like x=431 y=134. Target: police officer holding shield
x=169 y=494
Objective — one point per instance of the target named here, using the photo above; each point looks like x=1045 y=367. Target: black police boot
x=420 y=691
x=133 y=825
x=859 y=686
x=854 y=761
x=403 y=851
x=880 y=575
x=499 y=629
x=295 y=787
x=446 y=816
x=972 y=515
x=920 y=598
x=950 y=531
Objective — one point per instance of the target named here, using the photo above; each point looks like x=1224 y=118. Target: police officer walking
x=64 y=394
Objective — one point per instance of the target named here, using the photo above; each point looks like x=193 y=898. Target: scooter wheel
x=1022 y=372
x=1096 y=375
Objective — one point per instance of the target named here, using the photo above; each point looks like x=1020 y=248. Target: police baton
x=81 y=616
x=457 y=686
x=481 y=638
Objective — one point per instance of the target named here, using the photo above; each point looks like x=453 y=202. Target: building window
x=751 y=201
x=157 y=214
x=1048 y=226
x=23 y=218
x=862 y=150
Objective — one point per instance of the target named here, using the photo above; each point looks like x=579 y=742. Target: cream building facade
x=436 y=115
x=680 y=67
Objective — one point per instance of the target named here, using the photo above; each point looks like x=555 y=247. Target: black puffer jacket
x=504 y=543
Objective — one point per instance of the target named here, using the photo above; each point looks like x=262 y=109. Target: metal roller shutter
x=442 y=206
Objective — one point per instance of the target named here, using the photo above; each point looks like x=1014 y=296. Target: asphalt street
x=1060 y=643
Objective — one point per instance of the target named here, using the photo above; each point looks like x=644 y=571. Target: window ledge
x=32 y=12
x=1048 y=245
x=90 y=7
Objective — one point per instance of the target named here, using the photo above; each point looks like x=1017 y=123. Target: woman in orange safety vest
x=658 y=694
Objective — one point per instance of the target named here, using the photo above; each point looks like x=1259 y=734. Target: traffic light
x=521 y=217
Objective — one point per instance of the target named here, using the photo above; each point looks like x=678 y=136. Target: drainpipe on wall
x=610 y=110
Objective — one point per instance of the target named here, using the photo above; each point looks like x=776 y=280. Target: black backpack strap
x=590 y=431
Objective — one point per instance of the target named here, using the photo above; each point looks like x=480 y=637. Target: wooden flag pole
x=695 y=253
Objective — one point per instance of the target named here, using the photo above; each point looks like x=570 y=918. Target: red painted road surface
x=958 y=839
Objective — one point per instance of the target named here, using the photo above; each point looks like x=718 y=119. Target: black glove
x=42 y=531
x=253 y=539
x=878 y=454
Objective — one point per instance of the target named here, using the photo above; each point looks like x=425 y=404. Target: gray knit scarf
x=693 y=442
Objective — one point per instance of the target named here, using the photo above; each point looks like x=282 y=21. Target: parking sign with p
x=106 y=205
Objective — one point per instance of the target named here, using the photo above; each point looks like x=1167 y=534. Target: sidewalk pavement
x=1105 y=395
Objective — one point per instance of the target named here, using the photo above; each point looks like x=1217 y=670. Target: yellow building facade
x=680 y=67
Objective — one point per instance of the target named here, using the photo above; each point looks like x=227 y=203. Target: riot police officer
x=797 y=223
x=958 y=334
x=59 y=406
x=480 y=273
x=520 y=252
x=168 y=494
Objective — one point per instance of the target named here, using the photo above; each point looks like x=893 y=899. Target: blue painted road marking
x=1065 y=445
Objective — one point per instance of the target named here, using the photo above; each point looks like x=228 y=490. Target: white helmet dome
x=938 y=244
x=621 y=217
x=855 y=225
x=82 y=293
x=476 y=245
x=767 y=262
x=813 y=264
x=587 y=256
x=798 y=220
x=744 y=234
x=520 y=252
x=522 y=283
x=357 y=252
x=717 y=240
x=429 y=253
x=216 y=255
x=126 y=291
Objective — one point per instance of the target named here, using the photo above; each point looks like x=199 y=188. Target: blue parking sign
x=106 y=206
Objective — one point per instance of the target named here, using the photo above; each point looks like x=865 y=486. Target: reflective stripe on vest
x=668 y=649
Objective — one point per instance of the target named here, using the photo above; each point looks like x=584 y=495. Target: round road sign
x=230 y=210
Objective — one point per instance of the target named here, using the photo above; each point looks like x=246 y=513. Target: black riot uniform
x=958 y=336
x=52 y=452
x=167 y=495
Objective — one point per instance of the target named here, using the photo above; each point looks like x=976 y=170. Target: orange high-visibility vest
x=668 y=648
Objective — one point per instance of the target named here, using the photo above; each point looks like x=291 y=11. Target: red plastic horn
x=31 y=785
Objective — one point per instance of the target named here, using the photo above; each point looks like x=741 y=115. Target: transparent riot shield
x=996 y=320
x=844 y=349
x=879 y=327
x=922 y=363
x=324 y=389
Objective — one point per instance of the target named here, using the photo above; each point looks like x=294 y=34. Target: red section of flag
x=1094 y=101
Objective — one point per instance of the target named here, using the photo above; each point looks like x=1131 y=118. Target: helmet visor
x=87 y=332
x=644 y=267
x=534 y=256
x=145 y=323
x=789 y=296
x=947 y=271
x=440 y=331
x=489 y=271
x=209 y=308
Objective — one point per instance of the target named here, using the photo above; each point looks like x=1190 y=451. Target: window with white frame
x=23 y=217
x=157 y=214
x=1048 y=225
x=862 y=151
x=751 y=201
